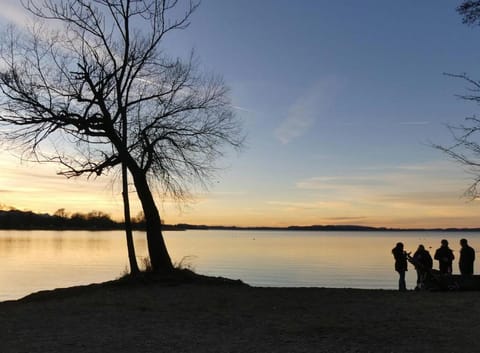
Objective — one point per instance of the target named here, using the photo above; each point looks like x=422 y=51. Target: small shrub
x=186 y=263
x=147 y=264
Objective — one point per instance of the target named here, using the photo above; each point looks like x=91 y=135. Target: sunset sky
x=341 y=101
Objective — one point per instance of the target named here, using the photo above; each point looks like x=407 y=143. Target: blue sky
x=340 y=100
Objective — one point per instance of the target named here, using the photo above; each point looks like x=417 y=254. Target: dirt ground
x=159 y=317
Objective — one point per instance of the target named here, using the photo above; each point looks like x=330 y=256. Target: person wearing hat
x=445 y=257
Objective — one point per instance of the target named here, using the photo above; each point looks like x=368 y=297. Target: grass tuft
x=186 y=263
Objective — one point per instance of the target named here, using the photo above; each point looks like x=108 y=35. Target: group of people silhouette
x=423 y=261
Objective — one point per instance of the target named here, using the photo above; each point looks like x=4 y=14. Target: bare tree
x=466 y=146
x=470 y=11
x=96 y=90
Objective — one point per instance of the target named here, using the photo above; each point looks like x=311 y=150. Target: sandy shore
x=165 y=317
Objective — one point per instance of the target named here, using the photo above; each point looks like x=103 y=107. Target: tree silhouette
x=466 y=148
x=470 y=11
x=94 y=90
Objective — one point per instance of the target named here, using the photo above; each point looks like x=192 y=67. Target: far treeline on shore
x=96 y=220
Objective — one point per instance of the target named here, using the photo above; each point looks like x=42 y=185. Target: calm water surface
x=37 y=260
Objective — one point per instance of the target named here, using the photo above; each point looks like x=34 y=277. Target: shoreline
x=228 y=316
x=14 y=219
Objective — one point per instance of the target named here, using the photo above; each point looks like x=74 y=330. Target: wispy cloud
x=346 y=219
x=318 y=183
x=241 y=109
x=307 y=109
x=420 y=184
x=13 y=12
x=415 y=123
x=419 y=198
x=435 y=168
x=302 y=206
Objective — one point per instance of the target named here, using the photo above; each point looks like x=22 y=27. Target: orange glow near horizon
x=36 y=187
x=331 y=138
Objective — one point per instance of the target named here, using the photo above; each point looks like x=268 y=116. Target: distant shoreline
x=97 y=221
x=333 y=228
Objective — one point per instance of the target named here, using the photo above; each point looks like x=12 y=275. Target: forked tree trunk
x=159 y=257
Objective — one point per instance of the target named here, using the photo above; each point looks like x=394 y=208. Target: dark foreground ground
x=202 y=317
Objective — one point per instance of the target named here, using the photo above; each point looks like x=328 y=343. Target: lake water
x=36 y=260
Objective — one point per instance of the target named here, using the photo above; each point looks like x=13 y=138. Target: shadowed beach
x=232 y=317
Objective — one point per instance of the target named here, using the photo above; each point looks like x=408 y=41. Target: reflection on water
x=36 y=260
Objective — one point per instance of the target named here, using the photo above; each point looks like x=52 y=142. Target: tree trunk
x=126 y=205
x=128 y=223
x=159 y=257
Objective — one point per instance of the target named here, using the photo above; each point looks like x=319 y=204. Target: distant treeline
x=62 y=220
x=344 y=228
x=96 y=220
x=293 y=228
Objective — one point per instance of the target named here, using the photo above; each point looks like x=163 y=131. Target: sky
x=341 y=102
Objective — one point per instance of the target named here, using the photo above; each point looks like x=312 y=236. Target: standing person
x=467 y=257
x=423 y=264
x=400 y=265
x=445 y=257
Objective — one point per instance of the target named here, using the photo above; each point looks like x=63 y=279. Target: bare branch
x=465 y=149
x=104 y=72
x=99 y=89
